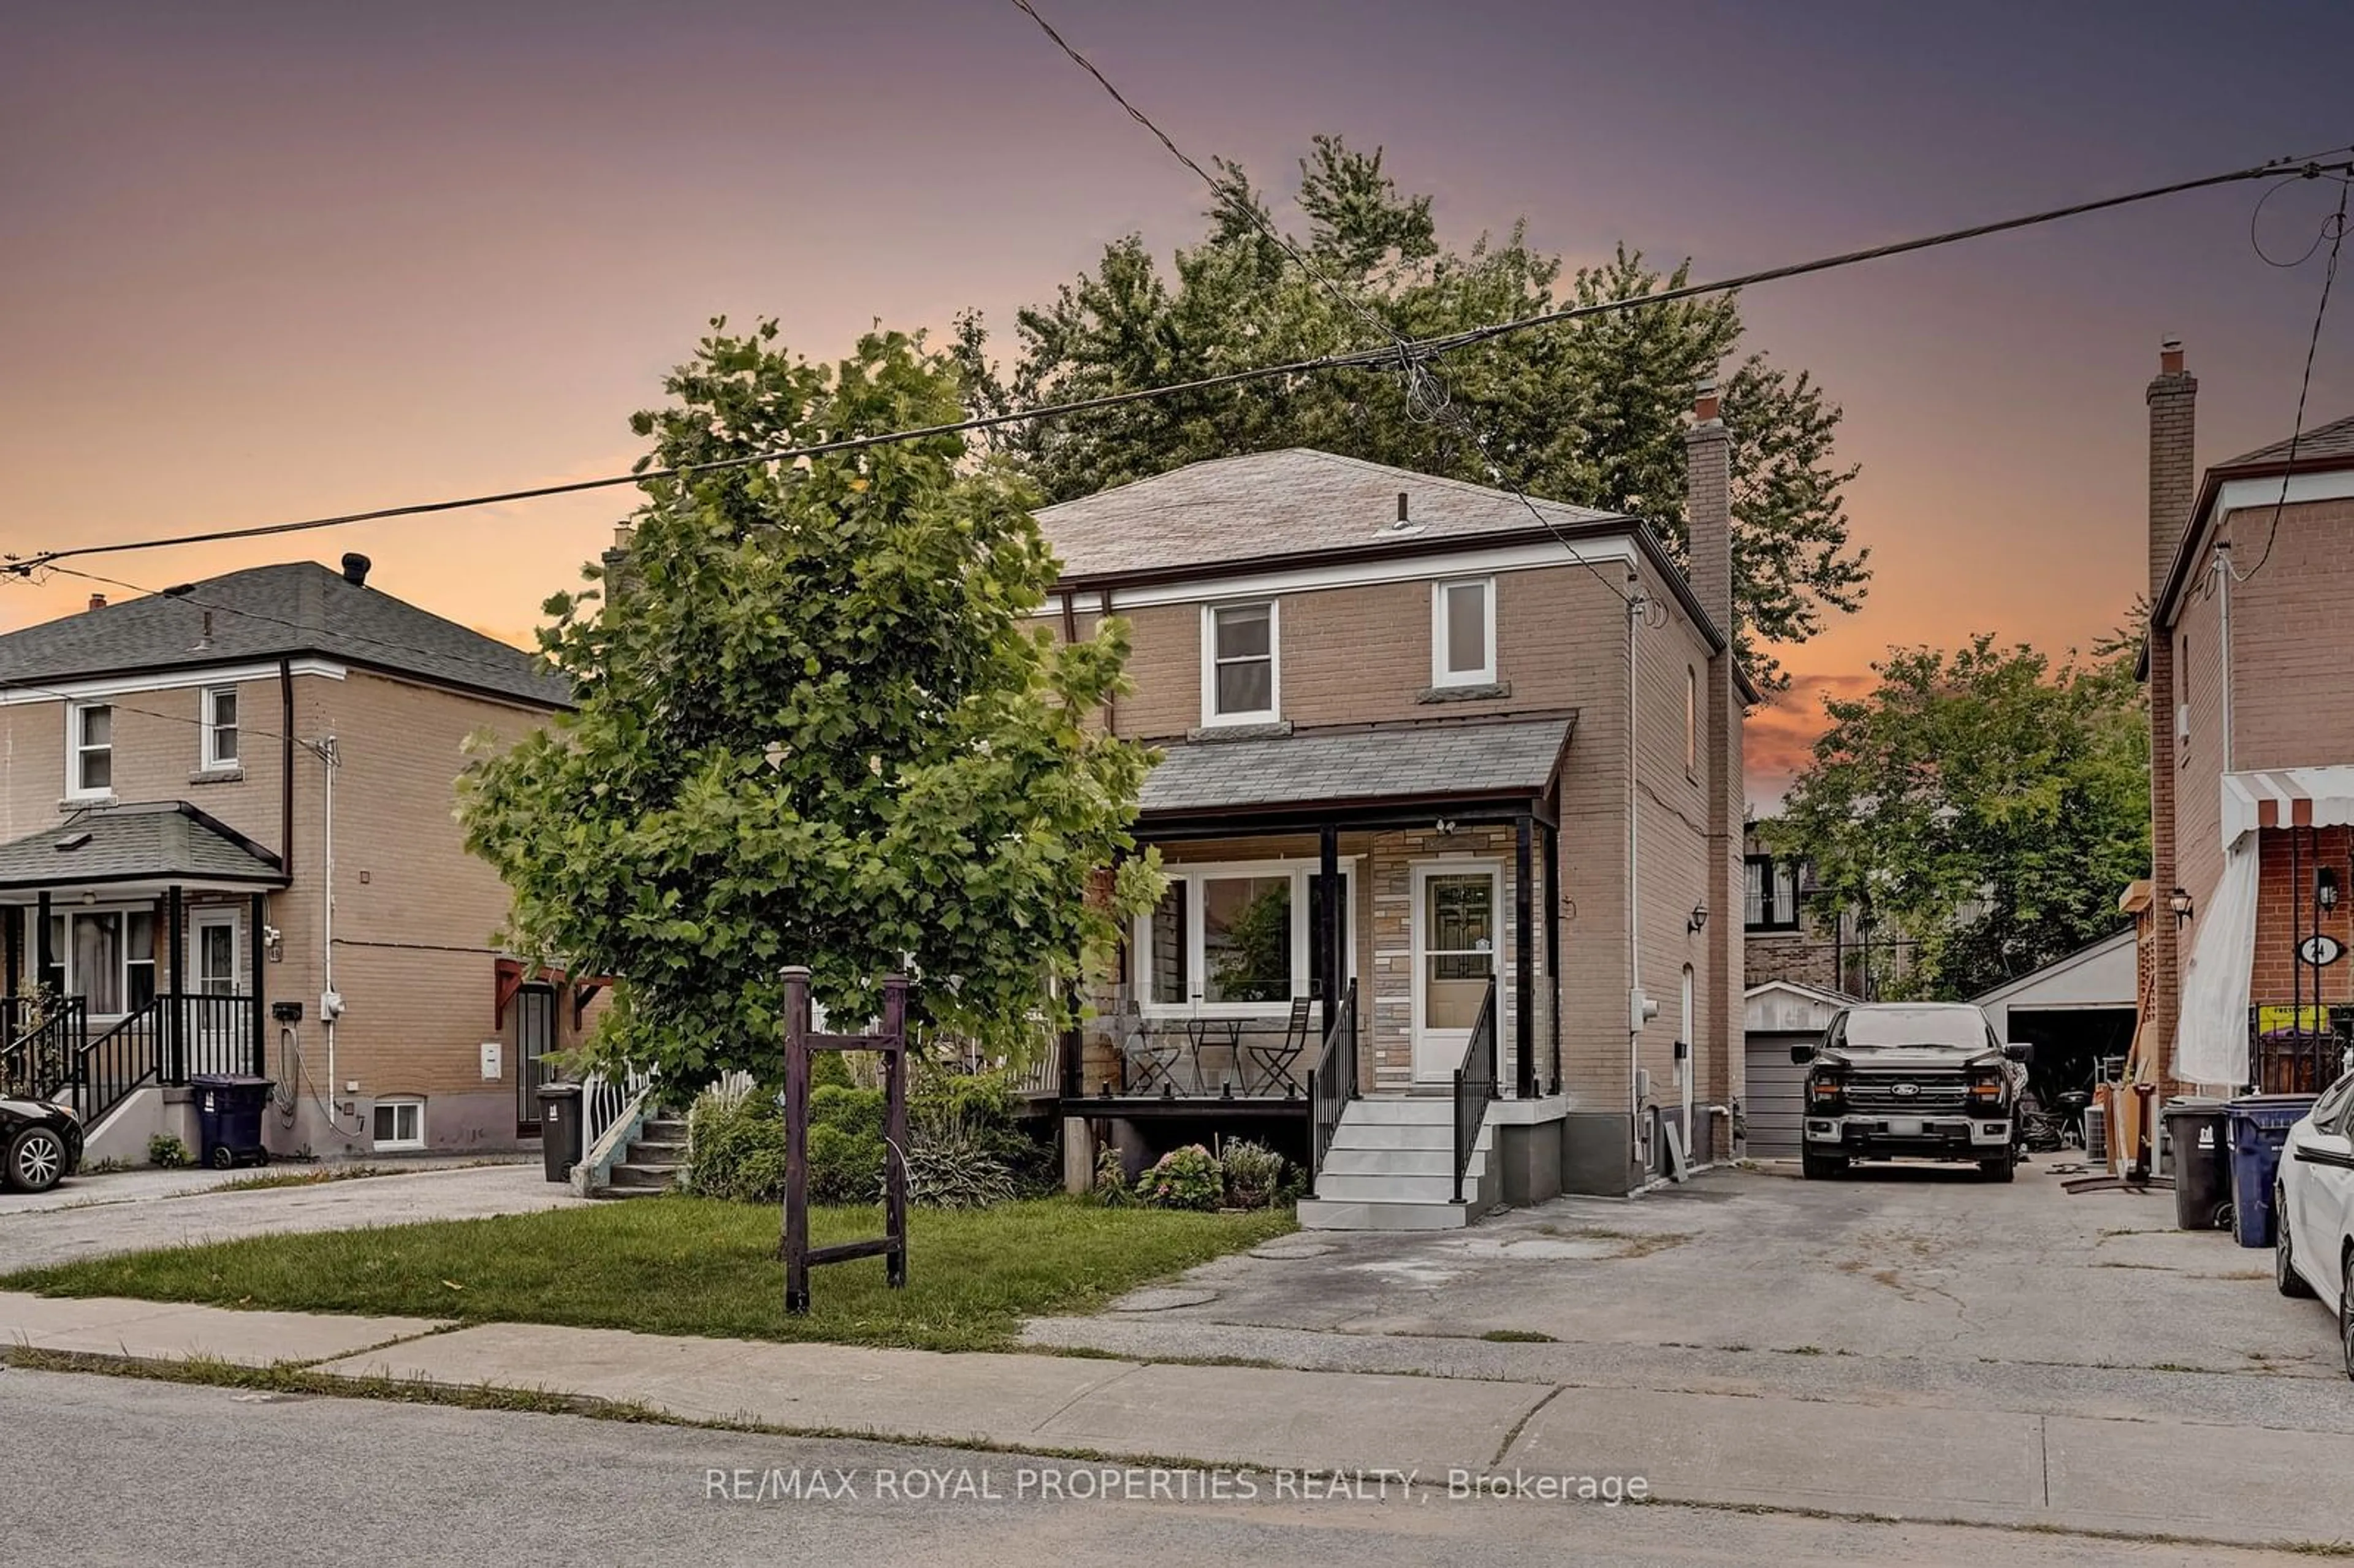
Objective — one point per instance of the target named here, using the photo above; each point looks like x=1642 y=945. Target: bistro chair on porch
x=1147 y=1057
x=1274 y=1058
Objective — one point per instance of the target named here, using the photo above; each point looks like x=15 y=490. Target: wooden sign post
x=800 y=1041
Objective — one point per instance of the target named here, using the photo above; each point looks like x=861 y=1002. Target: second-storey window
x=1463 y=632
x=89 y=749
x=1770 y=894
x=221 y=727
x=1240 y=677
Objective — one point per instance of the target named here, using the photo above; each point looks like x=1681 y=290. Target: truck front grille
x=1885 y=1093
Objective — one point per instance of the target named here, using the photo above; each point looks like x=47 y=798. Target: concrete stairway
x=1392 y=1168
x=650 y=1163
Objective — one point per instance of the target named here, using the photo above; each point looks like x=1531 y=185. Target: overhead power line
x=1407 y=350
x=1428 y=401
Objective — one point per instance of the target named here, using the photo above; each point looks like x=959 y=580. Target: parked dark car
x=40 y=1144
x=1917 y=1080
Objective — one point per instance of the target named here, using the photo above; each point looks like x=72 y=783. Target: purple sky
x=271 y=259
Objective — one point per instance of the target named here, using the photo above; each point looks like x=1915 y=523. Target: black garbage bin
x=2202 y=1151
x=228 y=1119
x=559 y=1129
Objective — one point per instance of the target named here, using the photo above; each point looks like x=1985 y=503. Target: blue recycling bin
x=228 y=1118
x=2260 y=1125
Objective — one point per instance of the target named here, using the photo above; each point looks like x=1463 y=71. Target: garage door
x=1774 y=1107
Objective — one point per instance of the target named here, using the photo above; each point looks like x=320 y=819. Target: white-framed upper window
x=1234 y=939
x=89 y=750
x=217 y=712
x=1463 y=632
x=1241 y=664
x=399 y=1124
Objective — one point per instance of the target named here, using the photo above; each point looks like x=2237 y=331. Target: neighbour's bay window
x=105 y=956
x=1463 y=632
x=1233 y=939
x=1240 y=676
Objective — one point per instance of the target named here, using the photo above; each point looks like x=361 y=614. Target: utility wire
x=1412 y=349
x=2334 y=226
x=1427 y=399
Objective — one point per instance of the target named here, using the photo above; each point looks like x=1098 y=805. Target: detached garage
x=2077 y=1011
x=1776 y=1016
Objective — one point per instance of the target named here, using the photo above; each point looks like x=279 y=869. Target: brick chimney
x=1708 y=523
x=98 y=602
x=2172 y=397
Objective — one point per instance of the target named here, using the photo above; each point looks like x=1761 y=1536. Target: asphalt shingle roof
x=170 y=841
x=2334 y=440
x=1356 y=765
x=1291 y=501
x=268 y=612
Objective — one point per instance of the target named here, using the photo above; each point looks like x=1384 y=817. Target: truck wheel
x=2002 y=1170
x=1816 y=1166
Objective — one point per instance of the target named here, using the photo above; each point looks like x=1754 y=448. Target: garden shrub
x=736 y=1145
x=1187 y=1178
x=167 y=1151
x=1254 y=1173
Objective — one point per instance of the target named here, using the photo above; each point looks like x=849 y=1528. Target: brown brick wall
x=2286 y=913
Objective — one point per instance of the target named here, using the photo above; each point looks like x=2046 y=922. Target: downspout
x=2224 y=651
x=1635 y=1005
x=331 y=1005
x=286 y=768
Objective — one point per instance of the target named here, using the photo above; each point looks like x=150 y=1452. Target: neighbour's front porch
x=132 y=943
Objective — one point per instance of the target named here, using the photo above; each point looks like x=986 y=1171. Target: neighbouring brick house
x=226 y=809
x=2252 y=739
x=1789 y=936
x=1432 y=796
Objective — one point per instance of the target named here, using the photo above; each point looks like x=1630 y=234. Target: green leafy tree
x=1589 y=412
x=1989 y=805
x=818 y=724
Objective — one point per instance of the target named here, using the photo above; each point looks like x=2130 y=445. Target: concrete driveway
x=133 y=1211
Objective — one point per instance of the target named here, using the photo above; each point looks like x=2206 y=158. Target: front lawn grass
x=692 y=1266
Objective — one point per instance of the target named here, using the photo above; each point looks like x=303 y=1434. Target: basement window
x=399 y=1124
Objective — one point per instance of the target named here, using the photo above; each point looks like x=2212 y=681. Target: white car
x=2313 y=1210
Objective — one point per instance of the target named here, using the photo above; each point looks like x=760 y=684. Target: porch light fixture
x=2181 y=905
x=1698 y=918
x=2325 y=889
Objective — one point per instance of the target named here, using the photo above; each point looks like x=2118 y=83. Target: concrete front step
x=620 y=1191
x=1341 y=1160
x=632 y=1174
x=1388 y=1188
x=1405 y=1110
x=658 y=1151
x=1340 y=1215
x=663 y=1129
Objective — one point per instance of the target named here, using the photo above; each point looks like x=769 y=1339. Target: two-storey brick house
x=2251 y=740
x=1449 y=780
x=226 y=843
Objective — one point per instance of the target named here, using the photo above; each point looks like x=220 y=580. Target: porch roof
x=167 y=840
x=1435 y=761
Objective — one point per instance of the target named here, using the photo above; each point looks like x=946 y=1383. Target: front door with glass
x=1456 y=921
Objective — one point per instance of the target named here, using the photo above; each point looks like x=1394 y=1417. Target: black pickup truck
x=1911 y=1080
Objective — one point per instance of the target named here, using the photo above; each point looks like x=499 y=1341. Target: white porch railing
x=612 y=1111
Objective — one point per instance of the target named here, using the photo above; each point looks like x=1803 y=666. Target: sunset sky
x=268 y=260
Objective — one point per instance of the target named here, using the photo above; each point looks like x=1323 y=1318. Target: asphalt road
x=114 y=1470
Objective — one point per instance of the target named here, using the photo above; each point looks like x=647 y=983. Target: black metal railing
x=1474 y=1084
x=128 y=1056
x=1333 y=1082
x=2304 y=1051
x=211 y=1035
x=41 y=1041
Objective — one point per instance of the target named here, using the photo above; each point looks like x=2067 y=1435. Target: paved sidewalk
x=146 y=1183
x=1783 y=1449
x=72 y=1233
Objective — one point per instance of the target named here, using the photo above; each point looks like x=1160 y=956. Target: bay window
x=1235 y=940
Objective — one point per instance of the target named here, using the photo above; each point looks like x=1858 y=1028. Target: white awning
x=2211 y=1043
